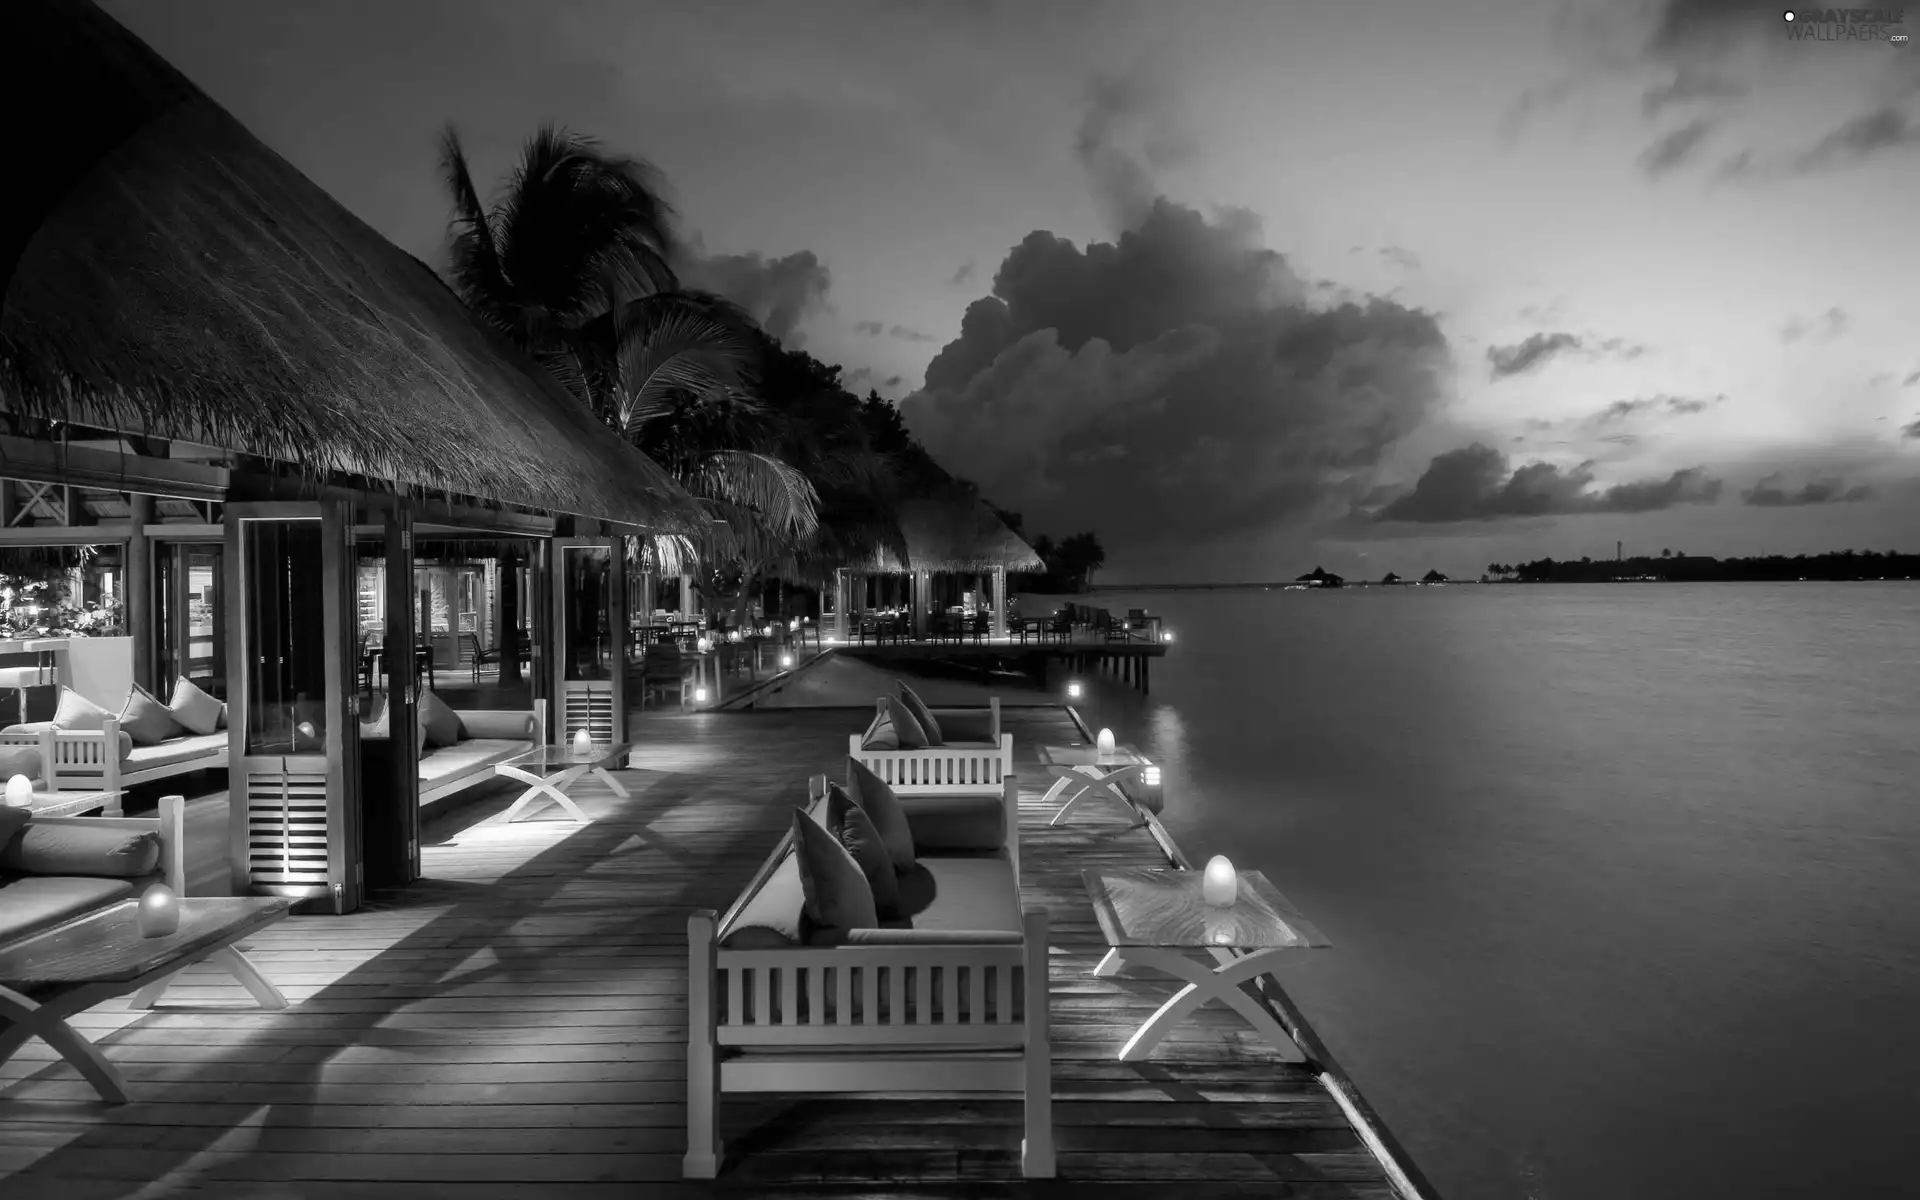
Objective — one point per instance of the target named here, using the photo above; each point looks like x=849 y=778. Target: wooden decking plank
x=514 y=1026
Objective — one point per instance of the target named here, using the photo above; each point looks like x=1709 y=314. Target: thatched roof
x=955 y=535
x=168 y=274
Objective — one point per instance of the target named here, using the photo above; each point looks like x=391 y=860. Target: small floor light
x=1220 y=886
x=699 y=695
x=1104 y=742
x=582 y=742
x=20 y=792
x=1073 y=689
x=1167 y=636
x=786 y=661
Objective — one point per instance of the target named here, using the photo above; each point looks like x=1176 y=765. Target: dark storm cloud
x=778 y=292
x=1768 y=493
x=1675 y=149
x=1474 y=483
x=1174 y=382
x=1526 y=355
x=1829 y=324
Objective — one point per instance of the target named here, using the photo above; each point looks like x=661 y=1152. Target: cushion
x=32 y=903
x=498 y=723
x=880 y=735
x=12 y=821
x=222 y=722
x=446 y=763
x=179 y=750
x=962 y=891
x=147 y=721
x=922 y=714
x=773 y=918
x=78 y=712
x=834 y=894
x=883 y=808
x=905 y=725
x=42 y=849
x=19 y=760
x=126 y=739
x=973 y=727
x=194 y=709
x=854 y=829
x=378 y=722
x=960 y=822
x=439 y=725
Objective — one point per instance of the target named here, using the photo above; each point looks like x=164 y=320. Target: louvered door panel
x=286 y=825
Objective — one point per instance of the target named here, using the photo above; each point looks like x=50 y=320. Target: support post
x=999 y=604
x=139 y=590
x=399 y=796
x=686 y=595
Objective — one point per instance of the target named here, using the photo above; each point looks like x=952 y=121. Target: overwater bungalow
x=959 y=554
x=308 y=478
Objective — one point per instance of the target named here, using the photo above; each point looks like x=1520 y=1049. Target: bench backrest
x=939 y=770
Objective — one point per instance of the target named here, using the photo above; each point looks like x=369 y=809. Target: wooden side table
x=1155 y=918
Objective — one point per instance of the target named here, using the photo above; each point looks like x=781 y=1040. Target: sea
x=1622 y=881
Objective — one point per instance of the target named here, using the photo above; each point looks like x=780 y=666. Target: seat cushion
x=185 y=748
x=464 y=758
x=30 y=903
x=195 y=710
x=19 y=760
x=833 y=890
x=439 y=725
x=514 y=725
x=851 y=826
x=78 y=712
x=83 y=849
x=883 y=808
x=962 y=891
x=942 y=824
x=922 y=714
x=147 y=721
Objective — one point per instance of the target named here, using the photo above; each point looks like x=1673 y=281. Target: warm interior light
x=582 y=741
x=786 y=660
x=20 y=792
x=1073 y=690
x=1104 y=742
x=1220 y=885
x=1167 y=636
x=699 y=695
x=1150 y=776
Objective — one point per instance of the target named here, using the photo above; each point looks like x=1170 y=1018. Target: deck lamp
x=1073 y=689
x=20 y=792
x=1167 y=636
x=582 y=742
x=1104 y=742
x=786 y=661
x=159 y=912
x=700 y=695
x=1220 y=885
x=704 y=644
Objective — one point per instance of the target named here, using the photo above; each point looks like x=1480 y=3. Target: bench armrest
x=933 y=937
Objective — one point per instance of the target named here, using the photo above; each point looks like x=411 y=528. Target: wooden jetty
x=513 y=1028
x=1047 y=664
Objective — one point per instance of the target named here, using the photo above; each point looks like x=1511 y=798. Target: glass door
x=190 y=616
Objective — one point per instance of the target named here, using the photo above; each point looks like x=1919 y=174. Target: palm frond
x=663 y=353
x=780 y=496
x=475 y=255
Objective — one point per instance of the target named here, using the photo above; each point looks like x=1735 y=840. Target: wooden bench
x=957 y=768
x=902 y=1010
x=78 y=760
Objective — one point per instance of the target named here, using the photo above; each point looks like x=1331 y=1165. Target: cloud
x=1526 y=355
x=1689 y=85
x=869 y=328
x=909 y=335
x=1861 y=138
x=1768 y=493
x=1406 y=260
x=963 y=276
x=1474 y=483
x=1172 y=383
x=1828 y=325
x=1675 y=149
x=780 y=293
x=1131 y=131
x=1531 y=103
x=1679 y=406
x=1911 y=380
x=1694 y=27
x=1911 y=431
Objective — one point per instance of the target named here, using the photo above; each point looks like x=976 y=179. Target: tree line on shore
x=1674 y=567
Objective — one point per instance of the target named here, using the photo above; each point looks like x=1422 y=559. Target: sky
x=1244 y=287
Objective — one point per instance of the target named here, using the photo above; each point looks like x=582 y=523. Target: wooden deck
x=514 y=1027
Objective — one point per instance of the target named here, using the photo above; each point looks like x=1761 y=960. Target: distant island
x=1834 y=566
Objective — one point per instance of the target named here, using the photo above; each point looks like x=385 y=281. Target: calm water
x=1623 y=881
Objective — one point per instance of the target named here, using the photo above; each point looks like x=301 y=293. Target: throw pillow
x=19 y=760
x=222 y=722
x=882 y=807
x=880 y=735
x=439 y=725
x=147 y=721
x=922 y=714
x=81 y=850
x=196 y=711
x=835 y=893
x=912 y=737
x=78 y=712
x=848 y=822
x=12 y=821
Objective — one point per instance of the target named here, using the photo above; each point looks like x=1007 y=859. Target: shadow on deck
x=513 y=1028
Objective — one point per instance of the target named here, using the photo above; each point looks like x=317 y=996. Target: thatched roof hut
x=167 y=274
x=955 y=535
